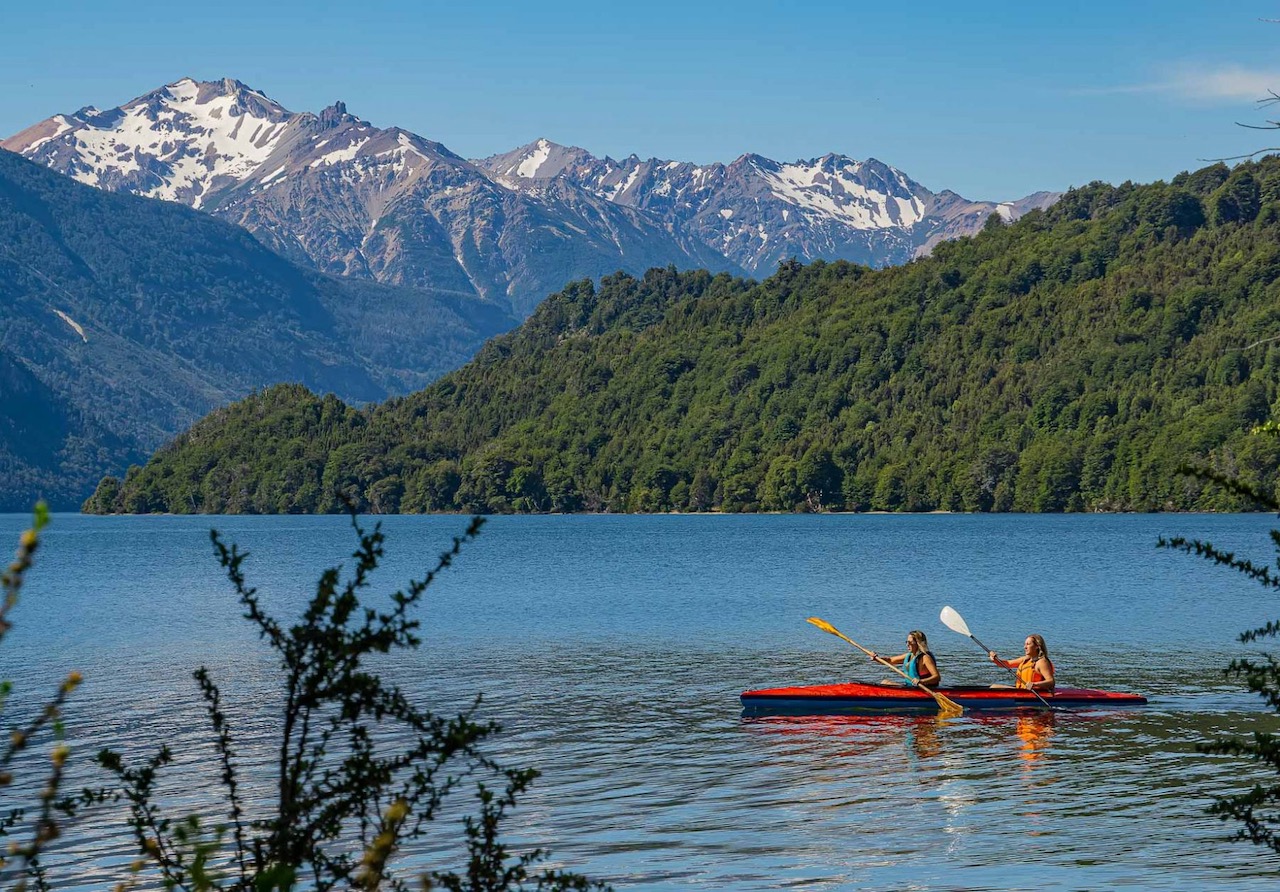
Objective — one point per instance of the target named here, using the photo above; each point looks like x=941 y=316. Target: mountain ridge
x=334 y=192
x=864 y=211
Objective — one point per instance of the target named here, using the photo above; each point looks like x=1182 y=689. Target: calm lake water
x=613 y=650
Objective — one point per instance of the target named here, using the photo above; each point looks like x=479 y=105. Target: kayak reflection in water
x=918 y=662
x=1034 y=670
x=1034 y=729
x=921 y=736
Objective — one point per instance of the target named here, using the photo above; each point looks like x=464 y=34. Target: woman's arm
x=892 y=661
x=1008 y=664
x=929 y=674
x=1045 y=668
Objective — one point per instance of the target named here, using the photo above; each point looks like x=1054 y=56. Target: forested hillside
x=124 y=320
x=1070 y=361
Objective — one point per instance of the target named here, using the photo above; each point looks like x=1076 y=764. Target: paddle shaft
x=1013 y=671
x=945 y=703
x=879 y=659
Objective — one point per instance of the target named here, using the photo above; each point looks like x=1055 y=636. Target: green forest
x=1072 y=361
x=123 y=320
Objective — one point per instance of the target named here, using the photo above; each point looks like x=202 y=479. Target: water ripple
x=617 y=676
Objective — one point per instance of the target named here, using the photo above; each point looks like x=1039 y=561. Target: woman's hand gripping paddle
x=947 y=706
x=955 y=622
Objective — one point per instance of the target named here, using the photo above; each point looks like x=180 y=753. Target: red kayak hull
x=828 y=699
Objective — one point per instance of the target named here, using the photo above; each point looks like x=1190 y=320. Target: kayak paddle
x=948 y=706
x=955 y=622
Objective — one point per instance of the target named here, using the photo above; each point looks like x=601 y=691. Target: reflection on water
x=1087 y=799
x=919 y=735
x=1035 y=730
x=618 y=677
x=861 y=733
x=654 y=781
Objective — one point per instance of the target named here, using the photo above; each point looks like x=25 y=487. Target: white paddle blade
x=954 y=621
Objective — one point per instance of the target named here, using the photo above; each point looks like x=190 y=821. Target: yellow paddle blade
x=827 y=627
x=823 y=625
x=947 y=707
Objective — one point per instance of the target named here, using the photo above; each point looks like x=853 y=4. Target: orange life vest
x=1028 y=674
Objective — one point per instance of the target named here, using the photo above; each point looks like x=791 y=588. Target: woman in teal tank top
x=918 y=662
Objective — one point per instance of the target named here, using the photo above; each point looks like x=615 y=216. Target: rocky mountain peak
x=96 y=117
x=334 y=116
x=541 y=159
x=177 y=142
x=756 y=210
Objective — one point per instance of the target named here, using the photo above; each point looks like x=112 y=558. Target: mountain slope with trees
x=123 y=320
x=1070 y=361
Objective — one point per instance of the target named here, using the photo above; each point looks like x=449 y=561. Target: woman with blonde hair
x=918 y=662
x=1034 y=670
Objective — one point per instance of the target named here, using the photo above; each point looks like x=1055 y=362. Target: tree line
x=1071 y=361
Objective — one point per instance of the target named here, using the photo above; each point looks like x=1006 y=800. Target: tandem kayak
x=828 y=699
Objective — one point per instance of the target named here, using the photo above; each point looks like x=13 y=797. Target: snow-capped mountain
x=757 y=211
x=181 y=142
x=336 y=193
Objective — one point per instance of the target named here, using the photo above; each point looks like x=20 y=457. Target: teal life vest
x=911 y=665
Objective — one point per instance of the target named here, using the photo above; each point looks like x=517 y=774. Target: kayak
x=828 y=699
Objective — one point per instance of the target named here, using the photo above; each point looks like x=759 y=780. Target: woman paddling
x=1034 y=670
x=917 y=662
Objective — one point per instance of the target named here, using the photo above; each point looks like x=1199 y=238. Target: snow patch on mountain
x=529 y=166
x=621 y=188
x=340 y=155
x=172 y=143
x=275 y=174
x=832 y=207
x=407 y=144
x=60 y=125
x=838 y=194
x=75 y=326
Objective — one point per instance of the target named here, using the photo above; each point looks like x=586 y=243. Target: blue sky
x=994 y=100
